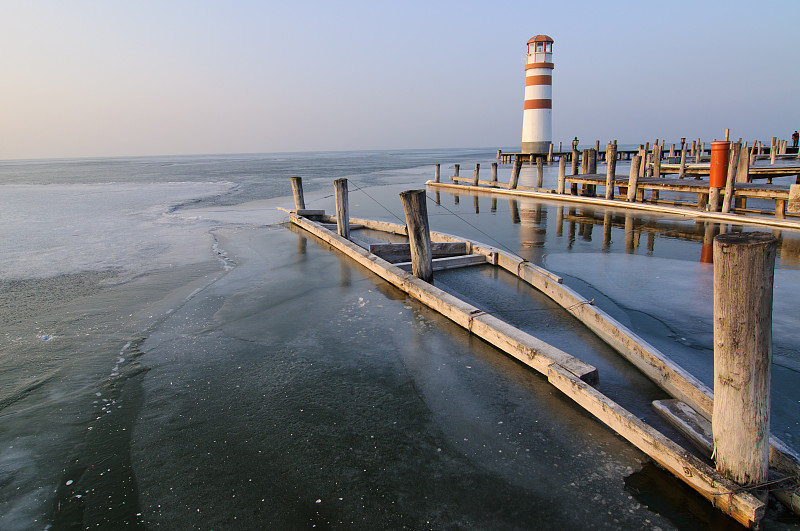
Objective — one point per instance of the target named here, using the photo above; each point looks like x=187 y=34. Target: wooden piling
x=475 y=175
x=342 y=208
x=562 y=174
x=656 y=161
x=419 y=234
x=698 y=153
x=494 y=173
x=436 y=173
x=512 y=184
x=633 y=180
x=540 y=171
x=682 y=170
x=744 y=265
x=573 y=187
x=733 y=166
x=456 y=168
x=611 y=169
x=297 y=192
x=550 y=153
x=772 y=150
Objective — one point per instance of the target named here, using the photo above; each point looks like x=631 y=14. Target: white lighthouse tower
x=537 y=118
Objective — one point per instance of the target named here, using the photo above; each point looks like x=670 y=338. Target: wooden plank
x=698 y=430
x=401 y=252
x=793 y=205
x=450 y=262
x=722 y=493
x=306 y=212
x=524 y=347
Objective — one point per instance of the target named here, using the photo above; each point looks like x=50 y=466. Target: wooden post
x=611 y=169
x=698 y=152
x=456 y=168
x=671 y=151
x=562 y=174
x=419 y=234
x=550 y=153
x=727 y=134
x=772 y=150
x=656 y=161
x=512 y=184
x=499 y=152
x=494 y=173
x=559 y=148
x=634 y=178
x=744 y=264
x=476 y=174
x=597 y=145
x=436 y=173
x=733 y=166
x=682 y=170
x=297 y=191
x=540 y=171
x=342 y=208
x=573 y=187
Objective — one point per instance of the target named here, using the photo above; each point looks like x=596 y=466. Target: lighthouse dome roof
x=541 y=38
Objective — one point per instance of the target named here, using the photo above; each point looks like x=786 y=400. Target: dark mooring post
x=297 y=191
x=744 y=264
x=562 y=174
x=494 y=173
x=475 y=176
x=342 y=208
x=437 y=175
x=419 y=235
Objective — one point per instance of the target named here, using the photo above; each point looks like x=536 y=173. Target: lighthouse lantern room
x=537 y=116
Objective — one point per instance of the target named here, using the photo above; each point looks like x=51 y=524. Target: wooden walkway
x=775 y=192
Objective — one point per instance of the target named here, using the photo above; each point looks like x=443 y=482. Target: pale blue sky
x=106 y=78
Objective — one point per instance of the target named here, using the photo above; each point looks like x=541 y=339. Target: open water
x=174 y=356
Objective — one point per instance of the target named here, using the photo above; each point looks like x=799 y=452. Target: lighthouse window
x=548 y=47
x=539 y=46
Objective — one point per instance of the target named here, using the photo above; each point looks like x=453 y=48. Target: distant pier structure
x=537 y=117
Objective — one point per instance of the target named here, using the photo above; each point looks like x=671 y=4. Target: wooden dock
x=564 y=372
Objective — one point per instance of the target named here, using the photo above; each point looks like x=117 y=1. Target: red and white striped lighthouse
x=537 y=118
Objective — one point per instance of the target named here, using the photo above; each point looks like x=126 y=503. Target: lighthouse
x=537 y=116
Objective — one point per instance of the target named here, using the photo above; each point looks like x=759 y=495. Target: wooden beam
x=450 y=262
x=401 y=252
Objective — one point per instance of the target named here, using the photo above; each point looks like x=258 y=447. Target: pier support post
x=297 y=192
x=342 y=208
x=419 y=235
x=611 y=169
x=633 y=180
x=494 y=173
x=540 y=171
x=744 y=264
x=682 y=170
x=475 y=176
x=512 y=184
x=733 y=166
x=456 y=168
x=436 y=173
x=550 y=153
x=562 y=174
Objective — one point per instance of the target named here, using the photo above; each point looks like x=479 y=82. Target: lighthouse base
x=541 y=147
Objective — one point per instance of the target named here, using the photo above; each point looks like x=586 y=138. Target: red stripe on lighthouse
x=538 y=104
x=538 y=80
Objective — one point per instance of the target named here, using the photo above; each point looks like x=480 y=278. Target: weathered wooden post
x=342 y=208
x=494 y=173
x=733 y=167
x=682 y=170
x=656 y=161
x=419 y=235
x=772 y=150
x=698 y=153
x=633 y=180
x=436 y=174
x=456 y=168
x=573 y=188
x=562 y=174
x=297 y=191
x=540 y=171
x=476 y=174
x=499 y=152
x=512 y=184
x=744 y=264
x=550 y=153
x=611 y=169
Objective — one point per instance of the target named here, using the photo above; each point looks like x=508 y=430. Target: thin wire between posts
x=395 y=216
x=499 y=244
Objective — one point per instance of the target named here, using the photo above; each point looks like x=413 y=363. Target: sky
x=95 y=78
